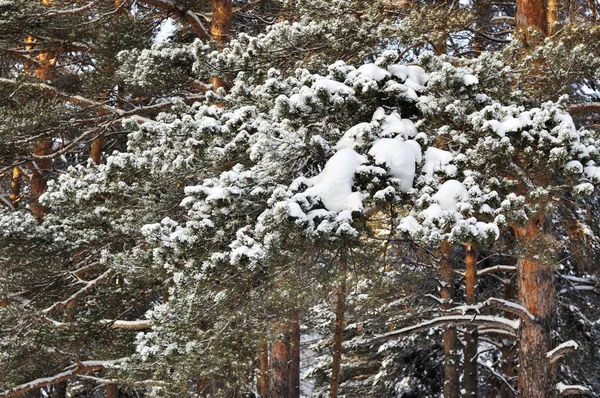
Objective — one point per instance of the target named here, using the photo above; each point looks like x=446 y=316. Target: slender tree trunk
x=531 y=14
x=536 y=292
x=449 y=339
x=279 y=382
x=508 y=354
x=220 y=30
x=295 y=356
x=482 y=20
x=552 y=16
x=336 y=363
x=112 y=391
x=59 y=390
x=470 y=375
x=263 y=359
x=15 y=186
x=96 y=149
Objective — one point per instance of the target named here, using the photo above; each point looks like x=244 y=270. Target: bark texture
x=449 y=339
x=336 y=364
x=15 y=186
x=279 y=383
x=295 y=356
x=470 y=375
x=531 y=14
x=112 y=391
x=552 y=15
x=536 y=292
x=221 y=24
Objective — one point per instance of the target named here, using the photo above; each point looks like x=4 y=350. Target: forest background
x=299 y=198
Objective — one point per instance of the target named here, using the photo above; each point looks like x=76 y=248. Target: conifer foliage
x=307 y=198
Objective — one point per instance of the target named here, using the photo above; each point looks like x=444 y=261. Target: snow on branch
x=70 y=372
x=129 y=325
x=493 y=302
x=511 y=307
x=122 y=382
x=489 y=321
x=561 y=350
x=565 y=389
x=497 y=268
x=75 y=296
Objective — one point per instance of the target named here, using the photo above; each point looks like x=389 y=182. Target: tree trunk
x=220 y=30
x=470 y=376
x=59 y=390
x=221 y=24
x=552 y=16
x=450 y=342
x=482 y=20
x=15 y=186
x=112 y=391
x=279 y=383
x=531 y=14
x=536 y=291
x=295 y=356
x=336 y=363
x=263 y=359
x=96 y=149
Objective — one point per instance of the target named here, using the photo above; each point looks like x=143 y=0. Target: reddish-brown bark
x=112 y=391
x=470 y=374
x=531 y=14
x=536 y=292
x=221 y=23
x=263 y=359
x=449 y=339
x=336 y=363
x=15 y=186
x=279 y=383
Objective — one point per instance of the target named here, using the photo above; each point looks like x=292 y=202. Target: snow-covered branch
x=493 y=302
x=70 y=372
x=509 y=306
x=75 y=296
x=489 y=321
x=565 y=389
x=497 y=268
x=561 y=350
x=122 y=382
x=129 y=325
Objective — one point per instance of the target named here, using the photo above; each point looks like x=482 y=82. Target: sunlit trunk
x=470 y=374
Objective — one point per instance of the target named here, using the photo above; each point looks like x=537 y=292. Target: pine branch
x=75 y=296
x=72 y=371
x=565 y=389
x=562 y=350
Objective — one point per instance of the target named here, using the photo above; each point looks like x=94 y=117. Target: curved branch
x=72 y=371
x=562 y=350
x=565 y=389
x=75 y=296
x=489 y=321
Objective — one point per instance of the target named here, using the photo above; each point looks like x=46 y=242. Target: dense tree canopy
x=299 y=198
